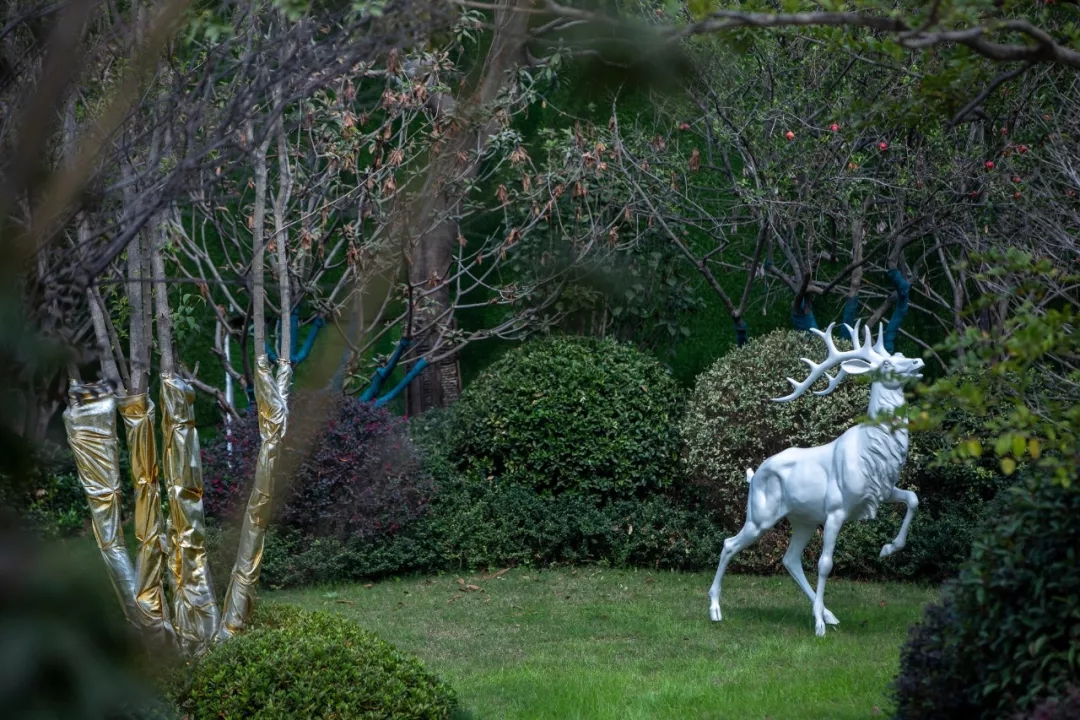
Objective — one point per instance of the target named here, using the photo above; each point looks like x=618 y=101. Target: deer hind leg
x=764 y=509
x=746 y=537
x=800 y=536
x=833 y=522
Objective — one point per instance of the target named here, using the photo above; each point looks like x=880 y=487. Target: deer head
x=867 y=357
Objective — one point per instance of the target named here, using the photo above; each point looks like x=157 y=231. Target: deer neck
x=885 y=400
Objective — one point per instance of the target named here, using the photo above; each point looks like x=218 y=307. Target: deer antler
x=864 y=351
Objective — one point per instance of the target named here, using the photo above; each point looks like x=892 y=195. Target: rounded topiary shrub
x=732 y=424
x=571 y=416
x=1012 y=634
x=297 y=664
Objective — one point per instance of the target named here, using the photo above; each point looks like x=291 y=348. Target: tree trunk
x=439 y=384
x=258 y=247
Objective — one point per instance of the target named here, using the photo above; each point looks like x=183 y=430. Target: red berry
x=974 y=195
x=834 y=127
x=883 y=145
x=1016 y=194
x=1016 y=178
x=1022 y=149
x=789 y=135
x=989 y=164
x=1004 y=131
x=684 y=126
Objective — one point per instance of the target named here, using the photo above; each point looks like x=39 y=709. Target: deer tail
x=749 y=474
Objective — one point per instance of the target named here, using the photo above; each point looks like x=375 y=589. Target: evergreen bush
x=571 y=416
x=1012 y=636
x=298 y=664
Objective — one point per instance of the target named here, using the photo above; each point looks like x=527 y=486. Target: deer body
x=846 y=479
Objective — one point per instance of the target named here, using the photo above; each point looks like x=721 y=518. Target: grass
x=597 y=643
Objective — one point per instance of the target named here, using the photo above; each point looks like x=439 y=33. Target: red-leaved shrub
x=360 y=476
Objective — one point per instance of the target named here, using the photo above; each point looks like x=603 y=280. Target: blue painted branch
x=802 y=316
x=851 y=310
x=309 y=342
x=294 y=331
x=903 y=294
x=400 y=387
x=385 y=371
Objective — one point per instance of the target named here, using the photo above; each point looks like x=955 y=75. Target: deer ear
x=855 y=367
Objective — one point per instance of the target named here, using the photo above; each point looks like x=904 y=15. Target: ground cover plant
x=598 y=643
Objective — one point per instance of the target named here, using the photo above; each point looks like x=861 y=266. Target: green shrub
x=571 y=416
x=1015 y=635
x=297 y=664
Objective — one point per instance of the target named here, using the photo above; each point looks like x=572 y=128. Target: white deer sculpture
x=843 y=480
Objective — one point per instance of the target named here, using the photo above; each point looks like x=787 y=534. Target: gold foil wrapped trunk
x=271 y=397
x=195 y=612
x=137 y=412
x=90 y=420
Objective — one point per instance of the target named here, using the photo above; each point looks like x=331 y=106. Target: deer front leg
x=912 y=501
x=833 y=522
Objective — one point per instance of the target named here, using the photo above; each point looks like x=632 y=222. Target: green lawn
x=594 y=643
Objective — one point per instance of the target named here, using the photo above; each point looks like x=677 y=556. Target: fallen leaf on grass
x=882 y=603
x=502 y=572
x=369 y=585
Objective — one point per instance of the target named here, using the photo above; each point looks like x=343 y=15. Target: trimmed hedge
x=1007 y=633
x=476 y=523
x=297 y=664
x=569 y=415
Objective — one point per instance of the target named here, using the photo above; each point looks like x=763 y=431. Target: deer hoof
x=819 y=628
x=888 y=550
x=830 y=619
x=714 y=613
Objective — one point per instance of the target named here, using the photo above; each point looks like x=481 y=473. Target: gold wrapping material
x=271 y=397
x=195 y=613
x=90 y=420
x=137 y=412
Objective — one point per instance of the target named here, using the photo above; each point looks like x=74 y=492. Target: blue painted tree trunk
x=851 y=312
x=802 y=316
x=741 y=333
